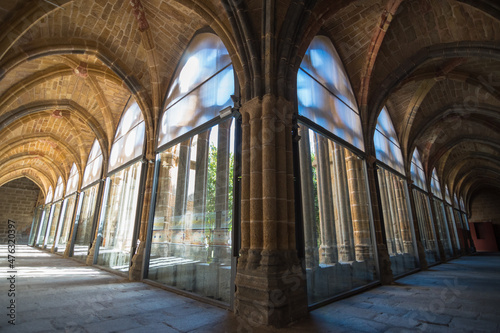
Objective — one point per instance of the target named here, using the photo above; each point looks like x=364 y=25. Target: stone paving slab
x=62 y=295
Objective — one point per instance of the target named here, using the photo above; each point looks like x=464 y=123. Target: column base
x=271 y=289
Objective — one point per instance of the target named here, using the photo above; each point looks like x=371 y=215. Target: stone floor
x=61 y=295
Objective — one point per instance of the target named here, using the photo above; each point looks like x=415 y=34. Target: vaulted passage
x=56 y=294
x=267 y=157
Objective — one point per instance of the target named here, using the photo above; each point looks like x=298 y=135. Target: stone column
x=343 y=223
x=308 y=194
x=328 y=248
x=270 y=281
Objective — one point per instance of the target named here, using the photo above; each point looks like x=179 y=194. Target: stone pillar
x=343 y=222
x=270 y=281
x=328 y=248
x=308 y=194
x=358 y=197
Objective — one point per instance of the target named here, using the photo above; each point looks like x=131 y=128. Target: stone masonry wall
x=17 y=202
x=486 y=207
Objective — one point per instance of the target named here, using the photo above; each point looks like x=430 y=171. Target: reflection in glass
x=201 y=105
x=48 y=199
x=444 y=233
x=466 y=221
x=191 y=238
x=324 y=92
x=426 y=227
x=58 y=194
x=72 y=185
x=336 y=215
x=387 y=148
x=397 y=222
x=36 y=223
x=417 y=171
x=84 y=237
x=43 y=228
x=52 y=225
x=435 y=185
x=129 y=139
x=205 y=56
x=321 y=107
x=460 y=228
x=65 y=224
x=94 y=165
x=117 y=227
x=452 y=227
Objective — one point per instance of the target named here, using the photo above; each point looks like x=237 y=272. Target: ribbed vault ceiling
x=68 y=68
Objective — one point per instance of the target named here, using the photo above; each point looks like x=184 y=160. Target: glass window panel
x=130 y=119
x=94 y=165
x=466 y=221
x=128 y=147
x=386 y=143
x=336 y=215
x=72 y=185
x=452 y=226
x=58 y=194
x=417 y=171
x=66 y=222
x=205 y=56
x=191 y=239
x=323 y=63
x=36 y=223
x=43 y=227
x=120 y=209
x=397 y=222
x=435 y=185
x=321 y=107
x=462 y=205
x=52 y=225
x=426 y=227
x=48 y=199
x=84 y=237
x=447 y=194
x=129 y=139
x=444 y=232
x=198 y=107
